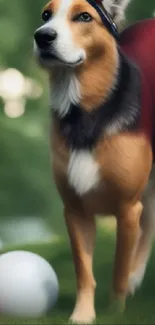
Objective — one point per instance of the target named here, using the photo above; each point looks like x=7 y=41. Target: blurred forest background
x=30 y=209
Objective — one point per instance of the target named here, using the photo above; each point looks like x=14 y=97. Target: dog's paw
x=136 y=278
x=82 y=317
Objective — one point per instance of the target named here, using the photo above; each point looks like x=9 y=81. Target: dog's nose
x=44 y=37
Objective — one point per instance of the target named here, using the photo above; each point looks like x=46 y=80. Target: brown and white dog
x=101 y=137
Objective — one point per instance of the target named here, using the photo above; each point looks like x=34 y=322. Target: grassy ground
x=140 y=309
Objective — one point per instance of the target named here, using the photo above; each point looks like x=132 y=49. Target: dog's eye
x=85 y=17
x=46 y=15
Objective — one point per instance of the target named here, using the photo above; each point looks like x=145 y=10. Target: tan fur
x=100 y=68
x=145 y=238
x=121 y=165
x=101 y=75
x=128 y=222
x=81 y=228
x=125 y=163
x=124 y=160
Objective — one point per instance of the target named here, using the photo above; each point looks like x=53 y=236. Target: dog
x=102 y=97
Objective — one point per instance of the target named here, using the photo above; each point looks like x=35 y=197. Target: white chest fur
x=65 y=90
x=83 y=172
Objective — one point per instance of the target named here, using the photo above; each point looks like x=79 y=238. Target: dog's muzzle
x=44 y=38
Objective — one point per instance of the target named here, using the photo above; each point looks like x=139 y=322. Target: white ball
x=28 y=285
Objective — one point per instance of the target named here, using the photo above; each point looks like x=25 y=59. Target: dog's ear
x=116 y=8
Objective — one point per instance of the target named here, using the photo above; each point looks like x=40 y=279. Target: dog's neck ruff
x=105 y=17
x=65 y=90
x=121 y=112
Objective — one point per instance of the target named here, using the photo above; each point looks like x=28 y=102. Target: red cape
x=138 y=42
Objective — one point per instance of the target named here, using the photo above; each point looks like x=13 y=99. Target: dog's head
x=73 y=31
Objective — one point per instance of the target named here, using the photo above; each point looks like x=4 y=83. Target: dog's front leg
x=128 y=224
x=82 y=230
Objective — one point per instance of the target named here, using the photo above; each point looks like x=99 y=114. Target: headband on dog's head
x=106 y=18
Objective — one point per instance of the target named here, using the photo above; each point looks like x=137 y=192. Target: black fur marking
x=82 y=129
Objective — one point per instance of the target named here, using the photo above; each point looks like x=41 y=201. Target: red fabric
x=138 y=42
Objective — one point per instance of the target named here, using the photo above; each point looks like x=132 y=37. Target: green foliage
x=19 y=19
x=139 y=310
x=26 y=186
x=140 y=9
x=25 y=172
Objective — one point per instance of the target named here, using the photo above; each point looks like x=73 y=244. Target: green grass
x=140 y=309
